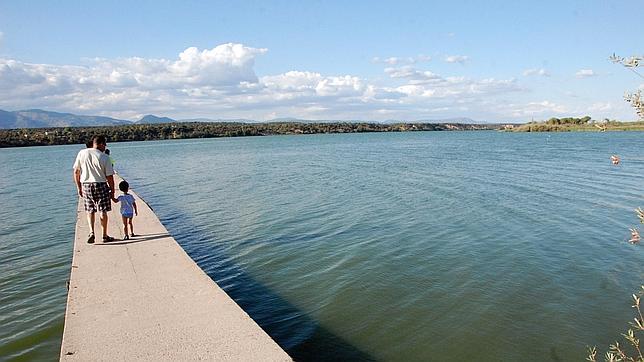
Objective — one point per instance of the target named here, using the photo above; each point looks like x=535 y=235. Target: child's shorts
x=129 y=216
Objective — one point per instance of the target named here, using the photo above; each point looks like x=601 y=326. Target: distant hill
x=218 y=120
x=291 y=120
x=8 y=120
x=313 y=121
x=460 y=120
x=37 y=118
x=149 y=119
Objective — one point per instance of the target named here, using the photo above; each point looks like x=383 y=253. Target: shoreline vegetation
x=24 y=137
x=49 y=136
x=571 y=124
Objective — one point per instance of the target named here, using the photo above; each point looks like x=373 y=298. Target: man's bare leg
x=90 y=221
x=104 y=223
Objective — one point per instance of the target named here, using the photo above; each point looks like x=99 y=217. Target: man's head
x=100 y=142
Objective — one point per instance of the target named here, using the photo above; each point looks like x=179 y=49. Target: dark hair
x=107 y=151
x=99 y=140
x=89 y=143
x=124 y=186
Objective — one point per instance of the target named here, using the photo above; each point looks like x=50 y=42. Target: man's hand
x=79 y=186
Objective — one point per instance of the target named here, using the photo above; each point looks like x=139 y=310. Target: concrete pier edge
x=146 y=299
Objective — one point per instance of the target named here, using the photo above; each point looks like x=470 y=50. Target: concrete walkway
x=145 y=299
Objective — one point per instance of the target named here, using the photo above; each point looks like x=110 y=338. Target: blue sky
x=368 y=60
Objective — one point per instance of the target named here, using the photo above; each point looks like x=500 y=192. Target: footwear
x=91 y=238
x=132 y=235
x=126 y=237
x=107 y=239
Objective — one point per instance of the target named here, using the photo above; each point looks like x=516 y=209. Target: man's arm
x=110 y=181
x=79 y=187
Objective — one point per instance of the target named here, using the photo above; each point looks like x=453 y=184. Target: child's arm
x=136 y=211
x=115 y=200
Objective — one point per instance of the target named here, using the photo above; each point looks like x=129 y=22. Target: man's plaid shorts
x=97 y=196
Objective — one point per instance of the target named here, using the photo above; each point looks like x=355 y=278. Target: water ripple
x=370 y=246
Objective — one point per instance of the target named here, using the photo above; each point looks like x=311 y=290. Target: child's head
x=124 y=186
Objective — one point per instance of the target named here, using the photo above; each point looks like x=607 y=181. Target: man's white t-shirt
x=94 y=165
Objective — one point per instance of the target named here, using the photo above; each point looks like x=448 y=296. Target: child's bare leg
x=124 y=226
x=131 y=226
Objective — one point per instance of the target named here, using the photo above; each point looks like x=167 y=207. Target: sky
x=492 y=61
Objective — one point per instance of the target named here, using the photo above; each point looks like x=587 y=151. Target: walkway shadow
x=300 y=335
x=297 y=333
x=137 y=239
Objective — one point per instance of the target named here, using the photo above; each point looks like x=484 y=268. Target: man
x=93 y=175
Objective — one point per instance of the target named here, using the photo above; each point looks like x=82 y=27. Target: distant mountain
x=154 y=119
x=8 y=120
x=219 y=120
x=289 y=119
x=312 y=121
x=37 y=118
x=460 y=120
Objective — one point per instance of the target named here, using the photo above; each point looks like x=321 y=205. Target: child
x=128 y=209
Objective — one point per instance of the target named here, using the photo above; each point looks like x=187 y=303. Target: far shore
x=25 y=137
x=575 y=125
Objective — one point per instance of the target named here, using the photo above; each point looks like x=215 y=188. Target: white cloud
x=585 y=73
x=119 y=85
x=537 y=110
x=344 y=86
x=457 y=59
x=546 y=106
x=295 y=84
x=413 y=75
x=392 y=60
x=601 y=107
x=429 y=84
x=421 y=58
x=541 y=72
x=293 y=81
x=221 y=82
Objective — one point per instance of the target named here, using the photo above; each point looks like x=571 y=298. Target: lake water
x=396 y=246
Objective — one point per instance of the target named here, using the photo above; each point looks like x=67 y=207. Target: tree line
x=570 y=124
x=146 y=132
